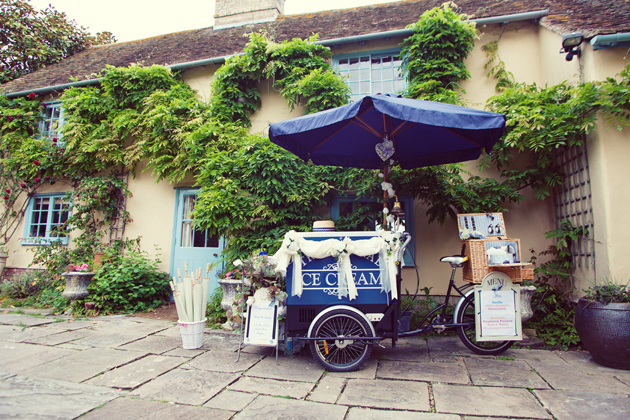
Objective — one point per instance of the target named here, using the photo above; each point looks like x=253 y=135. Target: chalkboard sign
x=498 y=309
x=261 y=324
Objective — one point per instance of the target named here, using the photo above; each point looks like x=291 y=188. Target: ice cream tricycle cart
x=344 y=287
x=344 y=296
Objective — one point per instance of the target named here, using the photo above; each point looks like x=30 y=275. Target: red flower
x=32 y=95
x=23 y=185
x=37 y=180
x=37 y=162
x=47 y=178
x=6 y=197
x=8 y=191
x=17 y=117
x=54 y=139
x=10 y=118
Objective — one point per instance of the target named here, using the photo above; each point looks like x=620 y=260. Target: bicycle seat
x=455 y=259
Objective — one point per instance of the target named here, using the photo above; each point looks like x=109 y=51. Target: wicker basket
x=477 y=266
x=192 y=334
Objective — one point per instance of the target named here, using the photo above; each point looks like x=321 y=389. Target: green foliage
x=214 y=312
x=553 y=309
x=33 y=39
x=129 y=282
x=433 y=57
x=26 y=162
x=254 y=194
x=24 y=285
x=609 y=292
x=300 y=71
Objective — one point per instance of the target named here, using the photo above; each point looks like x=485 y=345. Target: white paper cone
x=205 y=288
x=181 y=311
x=188 y=299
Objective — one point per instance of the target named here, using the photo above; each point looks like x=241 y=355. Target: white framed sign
x=261 y=324
x=498 y=309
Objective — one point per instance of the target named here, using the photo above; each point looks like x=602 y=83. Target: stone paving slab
x=564 y=376
x=193 y=387
x=136 y=409
x=28 y=320
x=170 y=332
x=356 y=413
x=16 y=357
x=448 y=347
x=408 y=353
x=59 y=337
x=579 y=405
x=328 y=390
x=487 y=401
x=273 y=387
x=299 y=369
x=403 y=395
x=136 y=373
x=270 y=408
x=508 y=373
x=73 y=346
x=533 y=356
x=367 y=371
x=181 y=352
x=428 y=372
x=584 y=362
x=79 y=367
x=36 y=398
x=29 y=334
x=224 y=361
x=154 y=344
x=104 y=339
x=231 y=400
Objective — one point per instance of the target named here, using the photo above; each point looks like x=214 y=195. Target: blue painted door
x=195 y=247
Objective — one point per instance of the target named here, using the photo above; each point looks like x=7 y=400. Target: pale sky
x=129 y=20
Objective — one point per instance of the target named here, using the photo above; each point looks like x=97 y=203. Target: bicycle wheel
x=467 y=334
x=341 y=355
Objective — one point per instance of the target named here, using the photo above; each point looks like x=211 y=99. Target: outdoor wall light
x=571 y=45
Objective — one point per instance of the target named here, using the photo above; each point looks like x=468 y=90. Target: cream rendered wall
x=608 y=151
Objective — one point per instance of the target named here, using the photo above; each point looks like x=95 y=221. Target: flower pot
x=98 y=260
x=605 y=332
x=77 y=283
x=526 y=302
x=229 y=288
x=3 y=261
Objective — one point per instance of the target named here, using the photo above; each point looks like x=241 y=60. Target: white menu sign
x=498 y=309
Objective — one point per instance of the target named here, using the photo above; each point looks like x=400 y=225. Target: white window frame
x=406 y=201
x=29 y=220
x=366 y=77
x=50 y=120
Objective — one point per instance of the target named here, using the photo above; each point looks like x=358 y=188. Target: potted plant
x=602 y=320
x=78 y=278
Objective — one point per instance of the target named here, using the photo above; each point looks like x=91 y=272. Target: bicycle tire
x=467 y=335
x=341 y=355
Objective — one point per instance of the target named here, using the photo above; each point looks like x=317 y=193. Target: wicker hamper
x=478 y=265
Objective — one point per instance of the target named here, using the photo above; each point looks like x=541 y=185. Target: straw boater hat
x=324 y=226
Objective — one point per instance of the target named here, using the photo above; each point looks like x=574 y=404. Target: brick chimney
x=230 y=13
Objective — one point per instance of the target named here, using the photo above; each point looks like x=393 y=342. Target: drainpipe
x=601 y=42
x=337 y=41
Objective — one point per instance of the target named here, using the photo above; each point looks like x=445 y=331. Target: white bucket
x=192 y=334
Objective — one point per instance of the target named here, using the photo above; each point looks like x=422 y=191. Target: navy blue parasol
x=412 y=132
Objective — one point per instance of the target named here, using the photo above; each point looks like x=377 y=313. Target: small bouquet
x=83 y=268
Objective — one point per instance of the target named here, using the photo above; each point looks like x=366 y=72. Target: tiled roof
x=592 y=17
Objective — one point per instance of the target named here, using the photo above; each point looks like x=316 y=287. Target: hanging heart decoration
x=385 y=150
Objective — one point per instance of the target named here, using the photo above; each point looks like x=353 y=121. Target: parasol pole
x=385 y=196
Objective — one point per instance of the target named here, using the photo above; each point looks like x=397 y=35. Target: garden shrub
x=129 y=282
x=24 y=285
